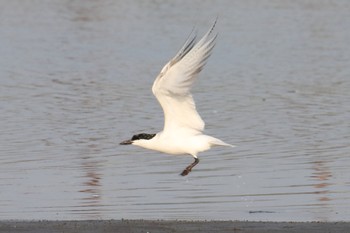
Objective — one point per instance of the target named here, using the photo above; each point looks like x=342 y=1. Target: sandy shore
x=136 y=226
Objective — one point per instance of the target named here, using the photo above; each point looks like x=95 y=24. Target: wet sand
x=135 y=226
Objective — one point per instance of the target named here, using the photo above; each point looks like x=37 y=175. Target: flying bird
x=183 y=126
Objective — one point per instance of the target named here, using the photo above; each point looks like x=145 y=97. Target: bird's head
x=136 y=137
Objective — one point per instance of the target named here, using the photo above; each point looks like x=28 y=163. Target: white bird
x=183 y=127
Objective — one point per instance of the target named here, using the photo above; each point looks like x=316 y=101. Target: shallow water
x=75 y=80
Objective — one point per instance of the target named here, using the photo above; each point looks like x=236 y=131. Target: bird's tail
x=218 y=142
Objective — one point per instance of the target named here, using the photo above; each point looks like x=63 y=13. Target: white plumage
x=183 y=126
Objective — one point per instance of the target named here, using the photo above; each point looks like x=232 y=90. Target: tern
x=183 y=126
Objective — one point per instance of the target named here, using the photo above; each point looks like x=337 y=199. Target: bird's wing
x=173 y=84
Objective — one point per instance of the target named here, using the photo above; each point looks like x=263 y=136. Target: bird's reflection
x=91 y=202
x=93 y=183
x=322 y=174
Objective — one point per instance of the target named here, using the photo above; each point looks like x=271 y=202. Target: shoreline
x=163 y=226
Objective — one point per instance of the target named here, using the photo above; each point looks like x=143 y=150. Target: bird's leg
x=189 y=168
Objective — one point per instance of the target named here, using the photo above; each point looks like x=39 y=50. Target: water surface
x=75 y=80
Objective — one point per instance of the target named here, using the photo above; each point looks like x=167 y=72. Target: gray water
x=76 y=77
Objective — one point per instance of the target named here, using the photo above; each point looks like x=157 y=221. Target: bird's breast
x=182 y=144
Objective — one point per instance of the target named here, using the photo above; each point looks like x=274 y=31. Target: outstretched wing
x=173 y=84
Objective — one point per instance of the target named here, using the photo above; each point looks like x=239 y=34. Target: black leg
x=189 y=168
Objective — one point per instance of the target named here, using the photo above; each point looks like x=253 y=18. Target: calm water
x=75 y=80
